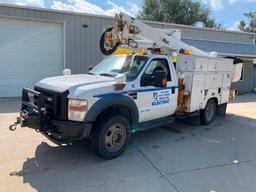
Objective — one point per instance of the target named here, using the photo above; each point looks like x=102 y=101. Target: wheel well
x=214 y=99
x=115 y=110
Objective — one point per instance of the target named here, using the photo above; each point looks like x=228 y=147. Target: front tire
x=112 y=137
x=208 y=113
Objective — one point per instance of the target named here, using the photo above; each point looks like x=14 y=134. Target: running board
x=155 y=123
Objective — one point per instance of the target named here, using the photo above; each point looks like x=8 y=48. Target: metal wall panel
x=214 y=35
x=82 y=44
x=254 y=77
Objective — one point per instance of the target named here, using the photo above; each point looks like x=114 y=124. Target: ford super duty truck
x=126 y=93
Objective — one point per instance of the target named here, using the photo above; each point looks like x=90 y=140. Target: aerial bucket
x=237 y=72
x=107 y=43
x=237 y=68
x=118 y=35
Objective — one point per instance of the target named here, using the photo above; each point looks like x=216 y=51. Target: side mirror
x=66 y=72
x=160 y=79
x=90 y=68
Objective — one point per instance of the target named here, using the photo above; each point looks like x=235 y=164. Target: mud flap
x=221 y=110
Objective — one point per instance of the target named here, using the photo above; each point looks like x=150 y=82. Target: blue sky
x=227 y=12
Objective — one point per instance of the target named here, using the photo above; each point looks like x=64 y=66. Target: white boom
x=125 y=26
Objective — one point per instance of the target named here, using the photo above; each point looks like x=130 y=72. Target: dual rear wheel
x=208 y=113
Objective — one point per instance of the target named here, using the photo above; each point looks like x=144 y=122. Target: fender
x=111 y=100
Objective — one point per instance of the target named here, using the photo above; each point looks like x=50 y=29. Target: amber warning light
x=186 y=51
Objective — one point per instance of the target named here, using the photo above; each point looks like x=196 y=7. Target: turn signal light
x=78 y=108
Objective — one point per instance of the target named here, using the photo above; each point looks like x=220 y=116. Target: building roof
x=234 y=49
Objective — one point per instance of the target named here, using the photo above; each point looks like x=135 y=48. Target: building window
x=242 y=74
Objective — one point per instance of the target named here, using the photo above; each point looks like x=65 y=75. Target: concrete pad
x=235 y=178
x=30 y=161
x=182 y=146
x=179 y=152
x=243 y=110
x=151 y=184
x=55 y=168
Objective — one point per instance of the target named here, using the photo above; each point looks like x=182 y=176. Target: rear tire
x=208 y=113
x=112 y=137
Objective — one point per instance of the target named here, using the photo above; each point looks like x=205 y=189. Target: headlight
x=77 y=109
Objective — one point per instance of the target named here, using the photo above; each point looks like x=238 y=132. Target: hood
x=63 y=83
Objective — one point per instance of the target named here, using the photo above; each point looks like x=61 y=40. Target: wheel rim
x=115 y=137
x=209 y=111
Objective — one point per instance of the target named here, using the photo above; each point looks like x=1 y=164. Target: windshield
x=121 y=64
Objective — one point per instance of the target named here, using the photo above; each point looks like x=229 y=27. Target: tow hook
x=14 y=125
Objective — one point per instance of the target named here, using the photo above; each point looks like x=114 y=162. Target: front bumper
x=64 y=129
x=36 y=117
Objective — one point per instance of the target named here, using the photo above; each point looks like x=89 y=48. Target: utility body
x=126 y=93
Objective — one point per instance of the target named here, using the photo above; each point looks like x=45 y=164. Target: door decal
x=160 y=97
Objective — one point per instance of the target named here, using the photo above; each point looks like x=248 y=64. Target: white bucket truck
x=126 y=93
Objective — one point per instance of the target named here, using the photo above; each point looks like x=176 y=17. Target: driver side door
x=153 y=101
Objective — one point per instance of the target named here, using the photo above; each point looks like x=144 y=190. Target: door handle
x=173 y=90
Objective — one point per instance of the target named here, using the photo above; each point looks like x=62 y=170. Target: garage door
x=29 y=51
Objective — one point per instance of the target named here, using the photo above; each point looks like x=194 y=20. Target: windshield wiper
x=90 y=73
x=107 y=75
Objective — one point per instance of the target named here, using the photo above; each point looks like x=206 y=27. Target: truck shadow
x=55 y=166
x=77 y=166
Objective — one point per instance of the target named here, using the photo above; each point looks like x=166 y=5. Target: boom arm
x=125 y=26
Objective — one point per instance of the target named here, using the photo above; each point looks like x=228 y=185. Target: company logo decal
x=160 y=98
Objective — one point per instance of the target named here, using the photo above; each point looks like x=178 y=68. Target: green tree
x=187 y=12
x=251 y=26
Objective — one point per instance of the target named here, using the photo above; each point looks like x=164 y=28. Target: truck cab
x=113 y=100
